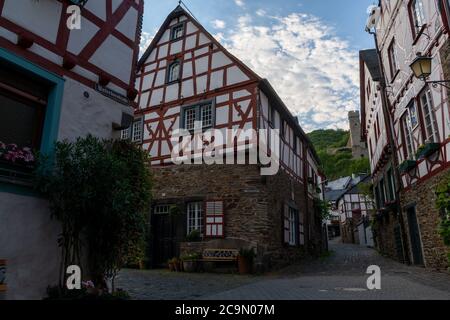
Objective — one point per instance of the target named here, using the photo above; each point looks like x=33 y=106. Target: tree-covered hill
x=331 y=147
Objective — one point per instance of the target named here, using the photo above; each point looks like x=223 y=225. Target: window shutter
x=286 y=223
x=214 y=219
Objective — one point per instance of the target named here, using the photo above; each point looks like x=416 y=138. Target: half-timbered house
x=65 y=72
x=188 y=80
x=407 y=126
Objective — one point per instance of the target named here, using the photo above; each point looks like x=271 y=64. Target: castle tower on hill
x=359 y=148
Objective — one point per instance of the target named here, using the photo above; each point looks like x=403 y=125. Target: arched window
x=174 y=72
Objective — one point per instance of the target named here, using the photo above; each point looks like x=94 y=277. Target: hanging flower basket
x=407 y=165
x=427 y=150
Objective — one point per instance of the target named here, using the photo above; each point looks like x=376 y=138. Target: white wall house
x=56 y=83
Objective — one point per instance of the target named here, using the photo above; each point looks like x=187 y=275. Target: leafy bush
x=248 y=254
x=443 y=204
x=100 y=192
x=194 y=236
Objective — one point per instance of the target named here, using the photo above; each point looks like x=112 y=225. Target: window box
x=16 y=164
x=407 y=165
x=15 y=172
x=427 y=150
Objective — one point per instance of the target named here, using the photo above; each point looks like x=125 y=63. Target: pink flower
x=88 y=284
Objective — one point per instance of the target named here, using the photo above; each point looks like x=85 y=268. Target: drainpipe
x=389 y=131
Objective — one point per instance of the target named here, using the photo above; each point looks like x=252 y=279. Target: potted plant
x=407 y=165
x=190 y=262
x=427 y=150
x=177 y=264
x=171 y=264
x=245 y=260
x=194 y=236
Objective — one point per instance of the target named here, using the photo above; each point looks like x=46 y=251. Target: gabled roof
x=264 y=84
x=177 y=12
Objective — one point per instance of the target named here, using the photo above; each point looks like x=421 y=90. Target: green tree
x=100 y=192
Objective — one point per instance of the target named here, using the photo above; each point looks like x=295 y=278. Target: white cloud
x=261 y=12
x=314 y=71
x=146 y=39
x=239 y=3
x=218 y=24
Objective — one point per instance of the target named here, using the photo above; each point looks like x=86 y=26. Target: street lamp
x=422 y=66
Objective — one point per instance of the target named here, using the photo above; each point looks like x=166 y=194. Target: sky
x=307 y=49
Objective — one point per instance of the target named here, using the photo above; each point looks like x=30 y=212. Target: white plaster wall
x=36 y=16
x=119 y=63
x=28 y=239
x=95 y=115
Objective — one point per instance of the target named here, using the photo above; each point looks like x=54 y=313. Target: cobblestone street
x=340 y=276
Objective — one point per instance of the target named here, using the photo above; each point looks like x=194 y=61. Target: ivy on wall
x=443 y=204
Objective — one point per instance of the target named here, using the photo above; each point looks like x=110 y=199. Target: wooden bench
x=220 y=255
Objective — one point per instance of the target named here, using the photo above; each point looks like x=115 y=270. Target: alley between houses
x=341 y=275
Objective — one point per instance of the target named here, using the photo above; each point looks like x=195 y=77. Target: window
x=290 y=225
x=214 y=219
x=392 y=54
x=173 y=72
x=125 y=134
x=417 y=15
x=356 y=206
x=203 y=114
x=431 y=127
x=162 y=209
x=407 y=133
x=137 y=129
x=412 y=111
x=177 y=32
x=134 y=132
x=23 y=102
x=382 y=192
x=195 y=217
x=30 y=106
x=391 y=185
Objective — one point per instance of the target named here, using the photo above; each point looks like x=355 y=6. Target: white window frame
x=418 y=14
x=174 y=35
x=137 y=130
x=198 y=115
x=161 y=209
x=407 y=131
x=431 y=126
x=292 y=227
x=171 y=75
x=194 y=217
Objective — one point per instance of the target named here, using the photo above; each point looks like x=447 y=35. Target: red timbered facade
x=407 y=126
x=186 y=78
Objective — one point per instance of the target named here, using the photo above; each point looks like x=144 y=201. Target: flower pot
x=244 y=265
x=16 y=170
x=407 y=165
x=171 y=266
x=428 y=150
x=190 y=266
